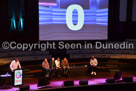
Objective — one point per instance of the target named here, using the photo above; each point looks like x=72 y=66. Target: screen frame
x=109 y=34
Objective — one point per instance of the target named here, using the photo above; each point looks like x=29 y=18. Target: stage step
x=111 y=65
x=113 y=60
x=26 y=70
x=26 y=76
x=114 y=70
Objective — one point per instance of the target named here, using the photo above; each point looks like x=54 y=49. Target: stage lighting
x=117 y=75
x=85 y=82
x=128 y=79
x=68 y=83
x=110 y=81
x=23 y=88
x=43 y=81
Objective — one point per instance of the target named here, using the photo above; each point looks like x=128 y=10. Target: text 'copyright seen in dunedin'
x=64 y=45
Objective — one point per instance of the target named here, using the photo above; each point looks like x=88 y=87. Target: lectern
x=18 y=77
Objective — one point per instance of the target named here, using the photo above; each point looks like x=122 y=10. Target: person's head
x=45 y=60
x=92 y=57
x=65 y=59
x=58 y=59
x=52 y=59
x=16 y=59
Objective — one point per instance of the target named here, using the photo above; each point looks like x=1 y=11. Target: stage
x=57 y=83
x=76 y=31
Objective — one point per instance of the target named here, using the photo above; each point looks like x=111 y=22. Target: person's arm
x=96 y=62
x=62 y=64
x=48 y=65
x=11 y=67
x=91 y=63
x=19 y=65
x=43 y=65
x=68 y=64
x=56 y=64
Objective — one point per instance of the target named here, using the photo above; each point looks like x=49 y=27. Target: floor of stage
x=100 y=78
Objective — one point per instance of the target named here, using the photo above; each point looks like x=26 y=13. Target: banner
x=18 y=77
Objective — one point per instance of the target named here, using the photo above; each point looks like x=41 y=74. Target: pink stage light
x=47 y=4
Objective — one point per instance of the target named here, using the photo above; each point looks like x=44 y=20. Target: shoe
x=95 y=73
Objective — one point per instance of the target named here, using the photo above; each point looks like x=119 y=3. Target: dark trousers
x=65 y=70
x=12 y=77
x=92 y=68
x=47 y=71
x=58 y=72
x=53 y=72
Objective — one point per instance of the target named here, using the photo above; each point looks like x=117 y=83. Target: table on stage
x=5 y=80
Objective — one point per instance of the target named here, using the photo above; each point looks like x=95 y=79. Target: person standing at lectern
x=93 y=65
x=15 y=64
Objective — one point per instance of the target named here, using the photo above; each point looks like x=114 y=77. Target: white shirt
x=93 y=62
x=14 y=65
x=57 y=63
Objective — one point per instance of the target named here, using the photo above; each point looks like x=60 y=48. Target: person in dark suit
x=52 y=63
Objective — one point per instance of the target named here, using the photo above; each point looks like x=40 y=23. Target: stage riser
x=104 y=87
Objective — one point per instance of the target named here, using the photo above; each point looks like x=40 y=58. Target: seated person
x=52 y=63
x=58 y=67
x=65 y=66
x=93 y=65
x=46 y=67
x=53 y=66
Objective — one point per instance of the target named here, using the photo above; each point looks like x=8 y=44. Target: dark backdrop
x=30 y=32
x=117 y=30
